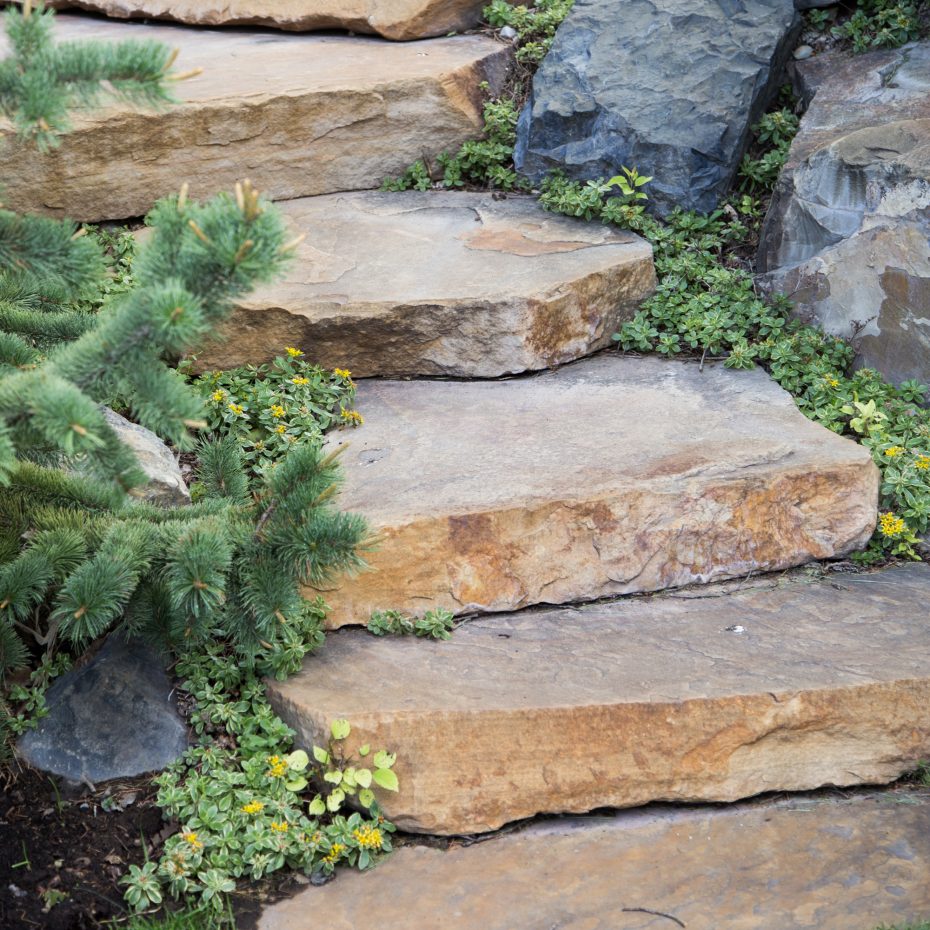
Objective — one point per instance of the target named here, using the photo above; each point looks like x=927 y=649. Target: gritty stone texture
x=609 y=476
x=440 y=284
x=846 y=234
x=165 y=483
x=298 y=115
x=670 y=87
x=797 y=864
x=393 y=19
x=114 y=717
x=711 y=695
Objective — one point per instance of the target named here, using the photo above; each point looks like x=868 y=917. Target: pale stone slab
x=610 y=476
x=298 y=115
x=440 y=284
x=713 y=695
x=799 y=864
x=393 y=19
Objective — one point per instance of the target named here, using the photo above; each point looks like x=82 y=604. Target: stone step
x=440 y=284
x=609 y=476
x=393 y=19
x=779 y=685
x=298 y=115
x=797 y=864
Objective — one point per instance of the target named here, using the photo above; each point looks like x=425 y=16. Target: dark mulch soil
x=54 y=843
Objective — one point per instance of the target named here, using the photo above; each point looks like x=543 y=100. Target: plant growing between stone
x=434 y=624
x=881 y=24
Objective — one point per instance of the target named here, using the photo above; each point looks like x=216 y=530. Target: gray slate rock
x=114 y=717
x=846 y=235
x=165 y=483
x=670 y=87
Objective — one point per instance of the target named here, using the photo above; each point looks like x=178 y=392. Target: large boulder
x=670 y=87
x=846 y=234
x=393 y=19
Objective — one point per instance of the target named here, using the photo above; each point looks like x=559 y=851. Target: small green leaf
x=297 y=761
x=341 y=729
x=334 y=776
x=334 y=801
x=296 y=784
x=316 y=807
x=384 y=760
x=363 y=777
x=364 y=750
x=321 y=755
x=386 y=779
x=366 y=797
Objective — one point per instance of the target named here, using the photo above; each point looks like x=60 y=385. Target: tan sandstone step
x=608 y=476
x=393 y=19
x=798 y=864
x=440 y=284
x=717 y=694
x=299 y=115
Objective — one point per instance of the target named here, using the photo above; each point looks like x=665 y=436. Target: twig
x=645 y=910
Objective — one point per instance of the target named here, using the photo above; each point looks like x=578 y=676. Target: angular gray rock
x=165 y=483
x=846 y=234
x=668 y=87
x=114 y=717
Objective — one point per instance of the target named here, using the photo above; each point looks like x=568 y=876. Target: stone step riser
x=749 y=688
x=610 y=476
x=440 y=284
x=795 y=865
x=297 y=115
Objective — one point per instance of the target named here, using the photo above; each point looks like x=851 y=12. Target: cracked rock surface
x=298 y=115
x=795 y=864
x=440 y=284
x=715 y=694
x=846 y=234
x=608 y=476
x=393 y=19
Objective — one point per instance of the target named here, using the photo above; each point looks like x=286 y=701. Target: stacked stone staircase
x=570 y=486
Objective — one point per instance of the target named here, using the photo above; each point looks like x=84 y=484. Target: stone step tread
x=775 y=685
x=608 y=476
x=394 y=19
x=298 y=114
x=440 y=284
x=796 y=864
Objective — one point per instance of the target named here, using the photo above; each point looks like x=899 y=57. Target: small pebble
x=508 y=32
x=802 y=52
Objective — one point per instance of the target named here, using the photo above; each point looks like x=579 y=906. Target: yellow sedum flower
x=236 y=408
x=335 y=852
x=300 y=380
x=253 y=807
x=277 y=411
x=342 y=373
x=279 y=826
x=368 y=837
x=891 y=526
x=894 y=451
x=294 y=353
x=923 y=462
x=351 y=416
x=218 y=395
x=277 y=767
x=832 y=382
x=280 y=428
x=191 y=839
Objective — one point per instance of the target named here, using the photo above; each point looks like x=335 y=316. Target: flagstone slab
x=608 y=476
x=297 y=115
x=440 y=284
x=798 y=864
x=393 y=19
x=716 y=694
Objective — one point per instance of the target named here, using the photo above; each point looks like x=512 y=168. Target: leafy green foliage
x=40 y=82
x=434 y=624
x=535 y=26
x=249 y=804
x=266 y=409
x=772 y=134
x=202 y=917
x=881 y=24
x=707 y=308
